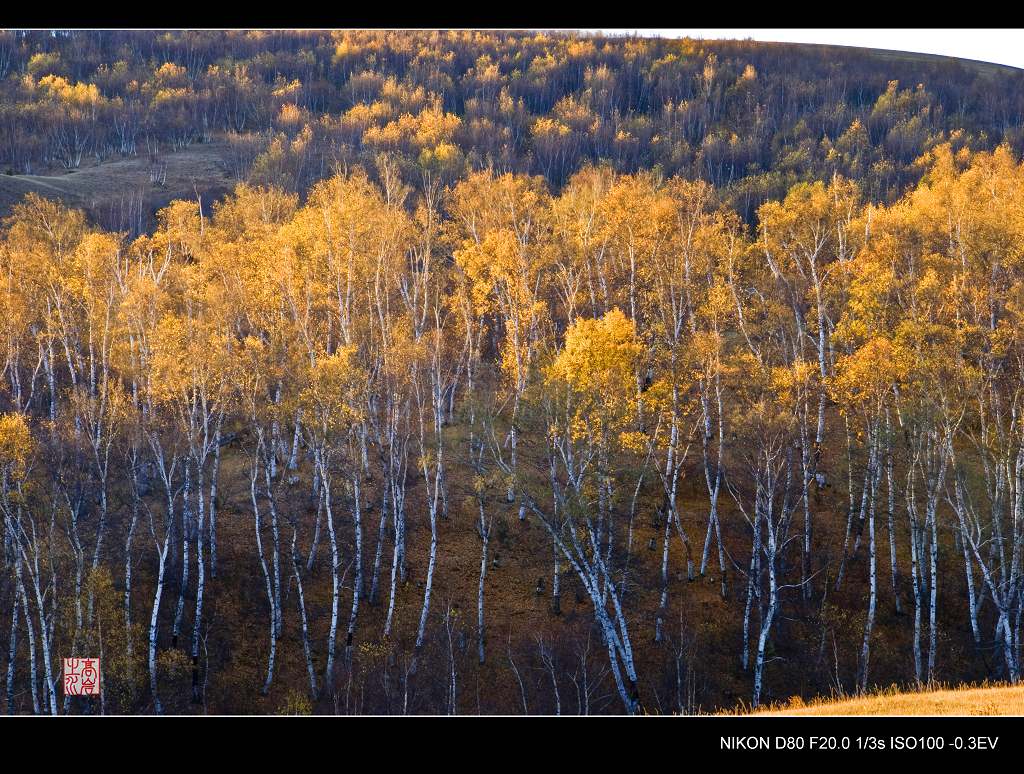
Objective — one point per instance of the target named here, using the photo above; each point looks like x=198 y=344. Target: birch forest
x=596 y=381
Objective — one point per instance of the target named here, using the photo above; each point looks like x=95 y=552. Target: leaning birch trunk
x=46 y=624
x=394 y=576
x=129 y=639
x=891 y=513
x=379 y=553
x=769 y=616
x=12 y=651
x=428 y=585
x=433 y=484
x=154 y=617
x=808 y=471
x=933 y=575
x=276 y=545
x=916 y=583
x=271 y=600
x=753 y=587
x=31 y=637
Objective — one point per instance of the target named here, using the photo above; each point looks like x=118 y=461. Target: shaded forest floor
x=813 y=650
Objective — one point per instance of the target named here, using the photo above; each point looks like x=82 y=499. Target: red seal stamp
x=81 y=677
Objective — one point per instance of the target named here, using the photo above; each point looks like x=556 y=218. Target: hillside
x=750 y=118
x=992 y=69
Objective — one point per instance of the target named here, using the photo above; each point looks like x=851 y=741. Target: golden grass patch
x=964 y=700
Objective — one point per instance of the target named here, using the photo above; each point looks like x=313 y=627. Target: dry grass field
x=964 y=700
x=124 y=193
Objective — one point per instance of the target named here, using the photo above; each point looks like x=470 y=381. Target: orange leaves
x=80 y=96
x=474 y=261
x=348 y=223
x=168 y=378
x=808 y=220
x=484 y=202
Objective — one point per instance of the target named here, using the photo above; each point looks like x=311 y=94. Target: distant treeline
x=750 y=118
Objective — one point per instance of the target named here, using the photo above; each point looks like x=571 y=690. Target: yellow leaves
x=332 y=390
x=188 y=356
x=78 y=95
x=171 y=75
x=499 y=234
x=43 y=62
x=110 y=410
x=598 y=354
x=501 y=274
x=427 y=129
x=16 y=444
x=869 y=309
x=288 y=90
x=793 y=381
x=479 y=484
x=168 y=378
x=445 y=158
x=809 y=207
x=968 y=206
x=548 y=128
x=95 y=260
x=256 y=211
x=484 y=202
x=718 y=303
x=473 y=260
x=38 y=224
x=597 y=367
x=864 y=377
x=426 y=461
x=349 y=228
x=635 y=214
x=634 y=442
x=179 y=226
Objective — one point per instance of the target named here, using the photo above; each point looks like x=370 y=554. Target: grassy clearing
x=108 y=190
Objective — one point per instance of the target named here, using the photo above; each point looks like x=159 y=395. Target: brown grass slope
x=124 y=193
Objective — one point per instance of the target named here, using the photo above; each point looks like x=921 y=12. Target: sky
x=1002 y=46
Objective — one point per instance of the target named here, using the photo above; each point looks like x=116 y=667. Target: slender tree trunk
x=325 y=489
x=154 y=618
